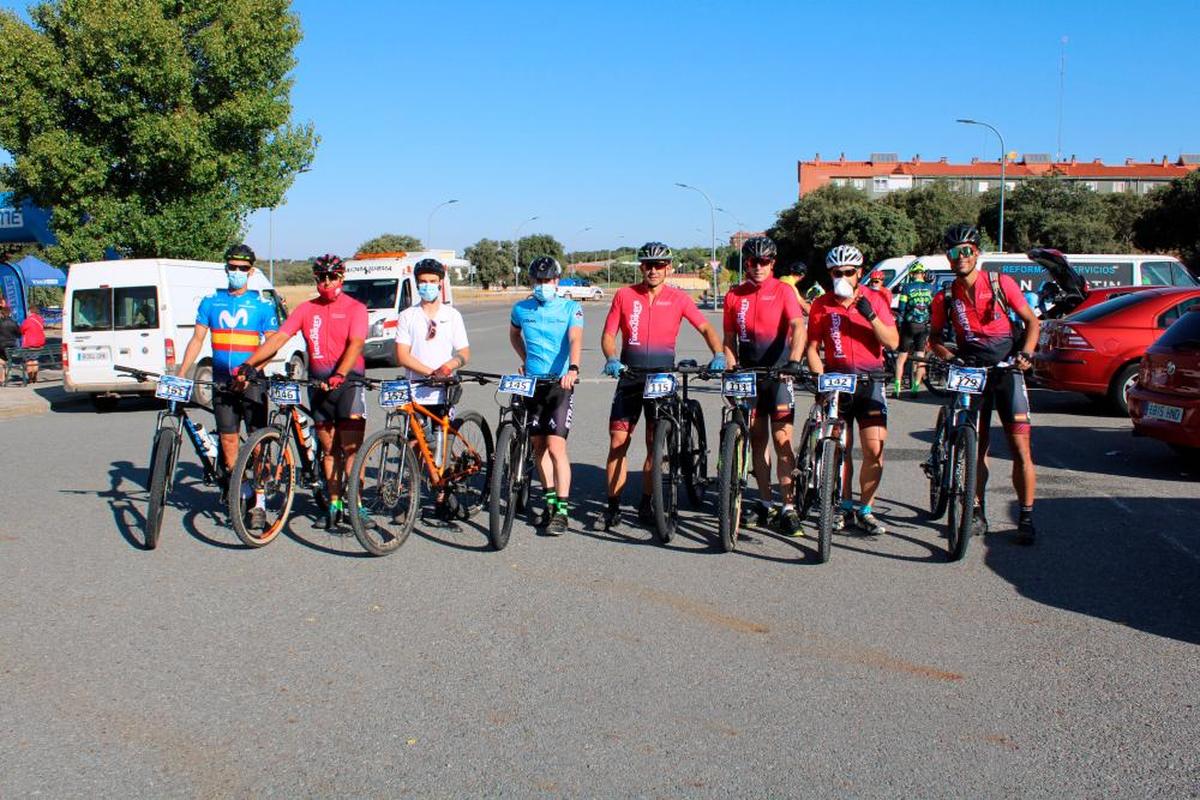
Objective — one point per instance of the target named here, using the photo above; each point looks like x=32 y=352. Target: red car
x=1165 y=401
x=1097 y=351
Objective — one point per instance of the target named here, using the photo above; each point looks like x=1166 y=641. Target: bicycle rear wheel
x=694 y=461
x=384 y=493
x=829 y=494
x=663 y=497
x=162 y=460
x=806 y=467
x=265 y=465
x=939 y=490
x=962 y=492
x=469 y=460
x=729 y=484
x=502 y=504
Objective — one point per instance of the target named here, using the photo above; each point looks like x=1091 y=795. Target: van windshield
x=375 y=294
x=91 y=310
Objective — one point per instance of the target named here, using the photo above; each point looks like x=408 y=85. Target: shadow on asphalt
x=1137 y=567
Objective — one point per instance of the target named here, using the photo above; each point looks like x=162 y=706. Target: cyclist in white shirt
x=431 y=339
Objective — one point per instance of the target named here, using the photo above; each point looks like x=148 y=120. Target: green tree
x=155 y=127
x=932 y=209
x=539 y=244
x=1121 y=212
x=493 y=262
x=1051 y=212
x=391 y=243
x=1171 y=220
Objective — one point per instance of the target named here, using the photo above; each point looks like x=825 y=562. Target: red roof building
x=884 y=173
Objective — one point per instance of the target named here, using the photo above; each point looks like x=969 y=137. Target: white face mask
x=843 y=289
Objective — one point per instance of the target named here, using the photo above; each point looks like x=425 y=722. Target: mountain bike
x=173 y=422
x=679 y=451
x=385 y=481
x=513 y=468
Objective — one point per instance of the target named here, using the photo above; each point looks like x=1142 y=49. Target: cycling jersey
x=545 y=328
x=981 y=327
x=328 y=327
x=758 y=320
x=884 y=292
x=649 y=327
x=916 y=297
x=238 y=324
x=849 y=340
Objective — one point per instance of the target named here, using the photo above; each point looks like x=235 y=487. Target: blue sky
x=587 y=114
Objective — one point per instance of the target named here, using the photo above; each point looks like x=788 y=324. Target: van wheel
x=105 y=402
x=203 y=395
x=1122 y=383
x=296 y=367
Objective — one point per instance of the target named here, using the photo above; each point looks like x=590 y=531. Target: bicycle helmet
x=844 y=255
x=328 y=263
x=239 y=252
x=654 y=251
x=917 y=269
x=758 y=247
x=543 y=268
x=429 y=266
x=963 y=233
x=799 y=269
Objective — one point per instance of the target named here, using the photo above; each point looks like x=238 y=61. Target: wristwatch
x=573 y=368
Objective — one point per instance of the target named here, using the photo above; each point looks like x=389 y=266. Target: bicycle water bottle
x=208 y=442
x=308 y=437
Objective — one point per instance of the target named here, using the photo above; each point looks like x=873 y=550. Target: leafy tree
x=391 y=243
x=1171 y=221
x=932 y=209
x=1121 y=213
x=151 y=126
x=493 y=262
x=1050 y=212
x=539 y=244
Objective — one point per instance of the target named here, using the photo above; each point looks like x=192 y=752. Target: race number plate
x=393 y=394
x=739 y=384
x=285 y=393
x=173 y=388
x=660 y=384
x=966 y=380
x=517 y=384
x=837 y=382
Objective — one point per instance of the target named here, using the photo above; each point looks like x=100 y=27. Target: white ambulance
x=384 y=283
x=140 y=313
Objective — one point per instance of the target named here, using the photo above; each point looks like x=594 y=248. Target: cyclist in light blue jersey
x=547 y=335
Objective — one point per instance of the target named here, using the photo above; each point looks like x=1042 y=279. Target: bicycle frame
x=410 y=423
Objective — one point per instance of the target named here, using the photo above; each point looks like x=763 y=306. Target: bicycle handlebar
x=1003 y=366
x=142 y=375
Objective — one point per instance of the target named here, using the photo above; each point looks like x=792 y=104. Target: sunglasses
x=877 y=282
x=962 y=251
x=432 y=332
x=655 y=264
x=238 y=267
x=329 y=277
x=760 y=262
x=843 y=273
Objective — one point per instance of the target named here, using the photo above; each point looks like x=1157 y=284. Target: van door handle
x=124 y=351
x=144 y=335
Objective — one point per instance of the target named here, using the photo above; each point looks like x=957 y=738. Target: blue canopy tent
x=39 y=273
x=16 y=278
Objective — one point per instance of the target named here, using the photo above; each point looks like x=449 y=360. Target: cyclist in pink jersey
x=764 y=327
x=334 y=326
x=847 y=331
x=648 y=316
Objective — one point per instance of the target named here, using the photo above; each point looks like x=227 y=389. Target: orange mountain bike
x=455 y=451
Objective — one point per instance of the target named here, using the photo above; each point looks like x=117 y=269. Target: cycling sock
x=614 y=503
x=560 y=505
x=551 y=499
x=260 y=501
x=335 y=504
x=788 y=507
x=864 y=510
x=247 y=491
x=848 y=505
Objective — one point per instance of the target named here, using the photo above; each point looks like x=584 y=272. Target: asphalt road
x=600 y=664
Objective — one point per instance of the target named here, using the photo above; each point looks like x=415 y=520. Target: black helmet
x=239 y=252
x=654 y=251
x=758 y=247
x=328 y=263
x=429 y=266
x=798 y=268
x=962 y=233
x=543 y=268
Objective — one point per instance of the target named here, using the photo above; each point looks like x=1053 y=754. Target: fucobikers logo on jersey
x=314 y=335
x=743 y=312
x=635 y=320
x=835 y=335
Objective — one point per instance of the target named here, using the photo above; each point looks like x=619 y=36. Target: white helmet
x=844 y=255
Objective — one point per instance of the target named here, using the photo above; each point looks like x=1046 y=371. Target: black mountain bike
x=173 y=422
x=680 y=447
x=512 y=468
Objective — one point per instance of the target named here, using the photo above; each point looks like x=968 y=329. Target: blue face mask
x=543 y=292
x=429 y=291
x=237 y=279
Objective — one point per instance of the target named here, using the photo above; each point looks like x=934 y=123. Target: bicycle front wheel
x=502 y=504
x=729 y=484
x=829 y=494
x=939 y=491
x=162 y=460
x=469 y=460
x=384 y=493
x=663 y=497
x=935 y=379
x=265 y=473
x=694 y=461
x=962 y=492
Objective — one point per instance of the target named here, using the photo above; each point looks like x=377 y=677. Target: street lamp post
x=517 y=250
x=741 y=227
x=712 y=220
x=429 y=222
x=1003 y=162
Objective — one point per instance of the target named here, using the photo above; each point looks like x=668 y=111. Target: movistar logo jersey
x=238 y=325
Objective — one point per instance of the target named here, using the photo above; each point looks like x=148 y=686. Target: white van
x=384 y=283
x=140 y=313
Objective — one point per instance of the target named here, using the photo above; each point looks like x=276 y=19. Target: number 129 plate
x=285 y=393
x=660 y=384
x=517 y=384
x=739 y=385
x=171 y=387
x=837 y=382
x=966 y=380
x=395 y=393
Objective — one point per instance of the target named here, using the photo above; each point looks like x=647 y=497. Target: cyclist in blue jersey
x=547 y=335
x=238 y=320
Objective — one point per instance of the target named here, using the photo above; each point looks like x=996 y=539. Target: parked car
x=1165 y=401
x=577 y=291
x=1097 y=351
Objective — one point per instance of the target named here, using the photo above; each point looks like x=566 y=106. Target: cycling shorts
x=627 y=405
x=348 y=401
x=551 y=410
x=775 y=399
x=867 y=406
x=231 y=409
x=1005 y=391
x=914 y=337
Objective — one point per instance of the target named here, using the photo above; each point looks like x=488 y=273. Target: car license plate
x=837 y=382
x=393 y=394
x=1168 y=413
x=741 y=384
x=91 y=355
x=285 y=393
x=966 y=380
x=660 y=384
x=173 y=388
x=517 y=384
